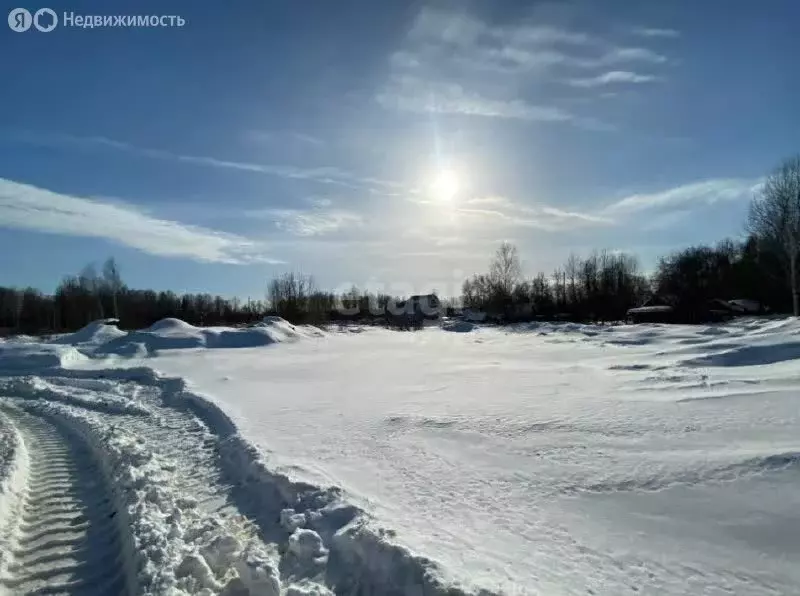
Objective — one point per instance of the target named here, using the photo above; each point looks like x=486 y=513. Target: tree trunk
x=795 y=296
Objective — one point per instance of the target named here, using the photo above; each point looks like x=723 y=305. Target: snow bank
x=325 y=545
x=324 y=535
x=174 y=547
x=284 y=329
x=22 y=357
x=174 y=334
x=13 y=468
x=103 y=338
x=94 y=334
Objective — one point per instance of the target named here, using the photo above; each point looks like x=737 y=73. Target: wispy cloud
x=656 y=210
x=453 y=62
x=273 y=137
x=706 y=192
x=410 y=94
x=329 y=175
x=28 y=207
x=415 y=95
x=611 y=78
x=315 y=222
x=544 y=217
x=619 y=55
x=656 y=32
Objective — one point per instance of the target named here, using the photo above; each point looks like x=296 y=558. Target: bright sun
x=446 y=185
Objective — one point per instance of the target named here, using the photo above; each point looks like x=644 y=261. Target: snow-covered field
x=537 y=459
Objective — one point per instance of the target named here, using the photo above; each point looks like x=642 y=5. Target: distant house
x=427 y=305
x=422 y=306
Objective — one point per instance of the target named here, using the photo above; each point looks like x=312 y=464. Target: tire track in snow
x=233 y=524
x=66 y=539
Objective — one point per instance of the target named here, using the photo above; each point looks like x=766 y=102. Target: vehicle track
x=66 y=538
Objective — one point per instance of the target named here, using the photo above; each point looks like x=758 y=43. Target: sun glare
x=446 y=185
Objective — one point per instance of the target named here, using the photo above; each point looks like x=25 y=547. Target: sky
x=393 y=144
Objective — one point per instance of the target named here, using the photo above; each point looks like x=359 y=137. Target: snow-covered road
x=543 y=459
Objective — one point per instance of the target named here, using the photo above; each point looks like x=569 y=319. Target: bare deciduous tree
x=505 y=270
x=774 y=219
x=113 y=282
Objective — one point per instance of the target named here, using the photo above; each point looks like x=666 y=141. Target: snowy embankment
x=197 y=509
x=558 y=459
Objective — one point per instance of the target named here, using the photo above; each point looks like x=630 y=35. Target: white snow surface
x=533 y=459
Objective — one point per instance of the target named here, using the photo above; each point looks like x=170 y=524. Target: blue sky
x=280 y=135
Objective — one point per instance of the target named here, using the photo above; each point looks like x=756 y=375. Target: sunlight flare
x=446 y=185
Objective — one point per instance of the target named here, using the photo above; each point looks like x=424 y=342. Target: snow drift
x=31 y=357
x=103 y=338
x=93 y=334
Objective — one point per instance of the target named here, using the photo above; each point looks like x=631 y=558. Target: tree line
x=598 y=287
x=602 y=287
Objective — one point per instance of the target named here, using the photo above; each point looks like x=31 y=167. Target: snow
x=93 y=334
x=537 y=458
x=103 y=337
x=549 y=457
x=34 y=357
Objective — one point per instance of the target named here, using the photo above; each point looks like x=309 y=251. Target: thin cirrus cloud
x=612 y=78
x=314 y=222
x=657 y=32
x=705 y=192
x=283 y=138
x=28 y=207
x=411 y=94
x=328 y=175
x=416 y=95
x=452 y=62
x=502 y=210
x=659 y=210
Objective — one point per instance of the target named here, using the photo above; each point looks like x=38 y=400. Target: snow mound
x=284 y=330
x=94 y=334
x=171 y=326
x=174 y=334
x=35 y=357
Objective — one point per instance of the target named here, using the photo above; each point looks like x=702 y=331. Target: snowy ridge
x=312 y=542
x=102 y=338
x=17 y=357
x=93 y=334
x=363 y=559
x=174 y=547
x=13 y=469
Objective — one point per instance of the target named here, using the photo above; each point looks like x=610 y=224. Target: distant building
x=426 y=306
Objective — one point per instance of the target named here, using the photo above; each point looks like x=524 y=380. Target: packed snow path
x=206 y=516
x=67 y=539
